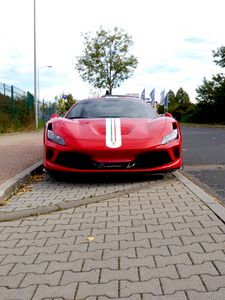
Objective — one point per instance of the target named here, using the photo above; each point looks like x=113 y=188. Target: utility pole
x=35 y=71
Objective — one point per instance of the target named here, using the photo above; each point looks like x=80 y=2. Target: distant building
x=134 y=95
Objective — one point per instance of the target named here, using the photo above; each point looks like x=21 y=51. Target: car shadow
x=104 y=177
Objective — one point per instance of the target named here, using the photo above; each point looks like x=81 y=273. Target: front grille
x=152 y=159
x=74 y=160
x=79 y=161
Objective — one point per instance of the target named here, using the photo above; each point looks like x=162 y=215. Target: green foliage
x=211 y=99
x=160 y=109
x=191 y=115
x=15 y=115
x=5 y=124
x=219 y=56
x=16 y=123
x=178 y=103
x=210 y=105
x=172 y=100
x=205 y=92
x=182 y=97
x=64 y=103
x=106 y=61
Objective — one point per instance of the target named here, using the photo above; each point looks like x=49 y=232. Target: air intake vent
x=50 y=126
x=174 y=125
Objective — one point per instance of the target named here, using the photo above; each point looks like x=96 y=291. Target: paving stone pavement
x=45 y=191
x=20 y=154
x=19 y=151
x=158 y=242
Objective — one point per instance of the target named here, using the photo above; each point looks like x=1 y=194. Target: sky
x=173 y=42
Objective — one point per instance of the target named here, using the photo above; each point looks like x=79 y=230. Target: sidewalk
x=140 y=240
x=20 y=153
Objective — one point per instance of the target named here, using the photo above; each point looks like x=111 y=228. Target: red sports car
x=112 y=134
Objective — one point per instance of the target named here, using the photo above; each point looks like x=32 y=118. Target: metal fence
x=45 y=110
x=13 y=100
x=19 y=107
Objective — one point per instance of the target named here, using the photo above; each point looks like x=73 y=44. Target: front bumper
x=158 y=159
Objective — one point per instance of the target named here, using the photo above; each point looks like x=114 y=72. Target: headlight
x=55 y=138
x=170 y=137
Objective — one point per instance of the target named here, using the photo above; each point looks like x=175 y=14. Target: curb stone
x=211 y=202
x=12 y=185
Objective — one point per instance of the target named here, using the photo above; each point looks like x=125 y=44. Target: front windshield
x=111 y=108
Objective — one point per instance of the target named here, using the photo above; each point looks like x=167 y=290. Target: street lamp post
x=35 y=71
x=36 y=82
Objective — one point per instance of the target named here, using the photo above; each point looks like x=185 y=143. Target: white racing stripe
x=113 y=132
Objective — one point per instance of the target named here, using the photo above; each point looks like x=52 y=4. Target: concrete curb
x=13 y=184
x=216 y=207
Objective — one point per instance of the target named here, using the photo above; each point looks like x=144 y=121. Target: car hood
x=99 y=133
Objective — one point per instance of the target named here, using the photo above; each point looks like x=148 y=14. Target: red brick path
x=18 y=152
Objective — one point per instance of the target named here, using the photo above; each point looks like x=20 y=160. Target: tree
x=172 y=100
x=173 y=105
x=179 y=103
x=205 y=92
x=211 y=94
x=64 y=102
x=106 y=61
x=220 y=54
x=211 y=98
x=182 y=97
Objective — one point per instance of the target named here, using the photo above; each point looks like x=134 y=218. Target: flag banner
x=152 y=96
x=143 y=95
x=162 y=97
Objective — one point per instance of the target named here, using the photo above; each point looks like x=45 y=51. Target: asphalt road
x=204 y=158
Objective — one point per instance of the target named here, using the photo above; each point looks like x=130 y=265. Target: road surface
x=204 y=158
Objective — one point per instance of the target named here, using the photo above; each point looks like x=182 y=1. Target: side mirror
x=168 y=115
x=54 y=115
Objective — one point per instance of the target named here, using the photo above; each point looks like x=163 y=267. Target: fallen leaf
x=90 y=238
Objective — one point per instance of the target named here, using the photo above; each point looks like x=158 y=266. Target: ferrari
x=112 y=134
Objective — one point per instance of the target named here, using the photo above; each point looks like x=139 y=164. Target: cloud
x=162 y=68
x=196 y=40
x=191 y=54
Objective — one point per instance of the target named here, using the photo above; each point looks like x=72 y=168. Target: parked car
x=112 y=134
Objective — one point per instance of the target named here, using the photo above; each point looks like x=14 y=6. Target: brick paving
x=145 y=240
x=46 y=191
x=18 y=152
